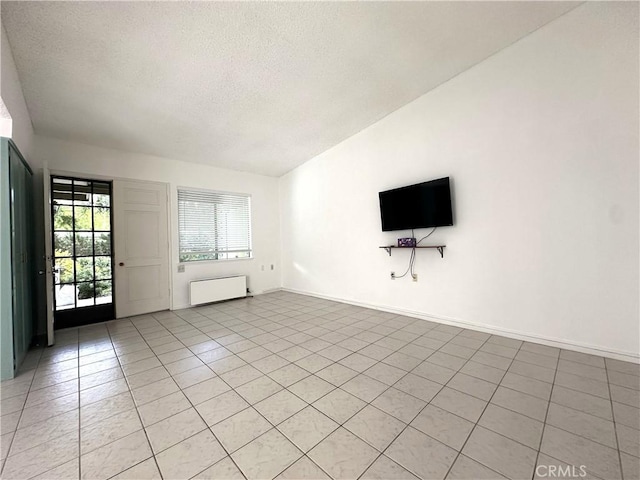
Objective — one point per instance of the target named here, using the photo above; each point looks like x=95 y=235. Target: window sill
x=222 y=260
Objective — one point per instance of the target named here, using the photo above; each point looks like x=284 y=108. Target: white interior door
x=141 y=246
x=48 y=263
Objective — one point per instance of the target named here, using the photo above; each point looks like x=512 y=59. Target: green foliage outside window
x=193 y=257
x=84 y=246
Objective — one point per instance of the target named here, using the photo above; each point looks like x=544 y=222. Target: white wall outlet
x=180 y=268
x=393 y=275
x=414 y=276
x=262 y=267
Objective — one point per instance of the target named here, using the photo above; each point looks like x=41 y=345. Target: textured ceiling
x=259 y=87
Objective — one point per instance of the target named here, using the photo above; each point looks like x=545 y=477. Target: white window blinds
x=213 y=225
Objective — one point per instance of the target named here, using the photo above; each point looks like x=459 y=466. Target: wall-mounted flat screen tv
x=423 y=205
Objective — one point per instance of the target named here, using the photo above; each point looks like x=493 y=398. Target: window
x=213 y=225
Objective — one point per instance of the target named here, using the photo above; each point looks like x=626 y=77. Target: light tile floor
x=294 y=387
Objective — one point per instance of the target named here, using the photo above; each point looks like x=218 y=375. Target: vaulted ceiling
x=259 y=87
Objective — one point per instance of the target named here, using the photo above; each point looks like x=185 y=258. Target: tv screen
x=423 y=205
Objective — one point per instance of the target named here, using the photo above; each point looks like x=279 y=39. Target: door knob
x=121 y=264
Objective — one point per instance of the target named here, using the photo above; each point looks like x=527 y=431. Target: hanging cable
x=426 y=236
x=410 y=267
x=412 y=258
x=412 y=263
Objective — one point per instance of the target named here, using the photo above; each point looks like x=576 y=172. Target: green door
x=21 y=188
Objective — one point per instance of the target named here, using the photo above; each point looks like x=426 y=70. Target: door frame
x=48 y=254
x=112 y=179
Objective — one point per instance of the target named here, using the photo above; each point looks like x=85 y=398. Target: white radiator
x=216 y=289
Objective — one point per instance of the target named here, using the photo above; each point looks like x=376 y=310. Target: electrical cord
x=410 y=267
x=414 y=250
x=426 y=236
x=413 y=261
x=412 y=258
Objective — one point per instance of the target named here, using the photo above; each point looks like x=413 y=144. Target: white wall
x=20 y=130
x=541 y=142
x=5 y=121
x=93 y=162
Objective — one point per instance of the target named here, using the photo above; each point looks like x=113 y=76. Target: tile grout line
x=548 y=406
x=275 y=426
x=180 y=389
x=311 y=404
x=228 y=454
x=15 y=432
x=129 y=389
x=392 y=386
x=252 y=406
x=208 y=427
x=111 y=396
x=77 y=359
x=546 y=416
x=459 y=452
x=443 y=385
x=341 y=425
x=80 y=412
x=135 y=406
x=615 y=427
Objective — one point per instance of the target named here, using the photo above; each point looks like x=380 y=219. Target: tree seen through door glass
x=103 y=291
x=84 y=269
x=101 y=219
x=63 y=244
x=62 y=217
x=65 y=270
x=85 y=292
x=82 y=217
x=103 y=268
x=84 y=244
x=102 y=244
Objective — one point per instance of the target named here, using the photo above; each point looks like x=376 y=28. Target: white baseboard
x=549 y=341
x=268 y=290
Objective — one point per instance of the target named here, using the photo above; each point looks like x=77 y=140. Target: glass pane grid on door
x=82 y=241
